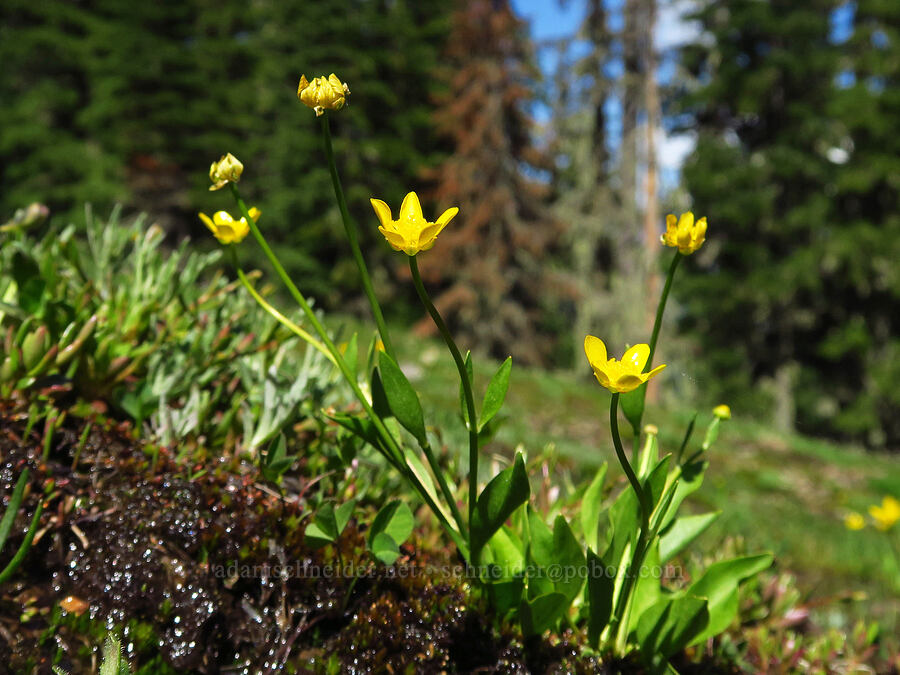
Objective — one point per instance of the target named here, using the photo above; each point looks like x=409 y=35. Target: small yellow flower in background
x=227 y=170
x=722 y=411
x=854 y=521
x=410 y=233
x=619 y=376
x=225 y=228
x=683 y=233
x=323 y=93
x=886 y=515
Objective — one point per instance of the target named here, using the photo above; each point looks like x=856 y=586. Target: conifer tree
x=796 y=174
x=494 y=264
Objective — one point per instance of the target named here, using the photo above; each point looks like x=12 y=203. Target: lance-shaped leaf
x=719 y=584
x=495 y=394
x=506 y=492
x=402 y=398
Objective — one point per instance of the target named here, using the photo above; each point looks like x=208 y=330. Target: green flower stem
x=395 y=455
x=619 y=621
x=654 y=336
x=350 y=229
x=661 y=307
x=464 y=378
x=278 y=316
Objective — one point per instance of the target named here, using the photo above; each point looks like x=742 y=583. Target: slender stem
x=395 y=455
x=661 y=307
x=619 y=621
x=464 y=378
x=445 y=488
x=278 y=316
x=350 y=229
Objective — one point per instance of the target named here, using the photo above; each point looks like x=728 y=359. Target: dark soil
x=204 y=569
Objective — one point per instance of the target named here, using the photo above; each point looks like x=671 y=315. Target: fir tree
x=493 y=263
x=795 y=174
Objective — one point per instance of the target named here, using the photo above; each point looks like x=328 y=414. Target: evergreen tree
x=799 y=187
x=494 y=261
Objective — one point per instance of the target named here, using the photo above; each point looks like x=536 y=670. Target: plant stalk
x=350 y=229
x=466 y=385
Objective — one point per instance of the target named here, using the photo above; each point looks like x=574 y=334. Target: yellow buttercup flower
x=683 y=233
x=854 y=521
x=225 y=228
x=323 y=93
x=227 y=170
x=886 y=515
x=619 y=376
x=722 y=411
x=410 y=233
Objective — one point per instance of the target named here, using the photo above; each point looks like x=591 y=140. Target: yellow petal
x=411 y=209
x=653 y=372
x=671 y=221
x=446 y=217
x=382 y=210
x=636 y=357
x=627 y=383
x=221 y=218
x=595 y=351
x=208 y=222
x=686 y=222
x=393 y=238
x=255 y=213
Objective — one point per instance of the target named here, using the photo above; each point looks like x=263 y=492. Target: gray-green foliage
x=106 y=308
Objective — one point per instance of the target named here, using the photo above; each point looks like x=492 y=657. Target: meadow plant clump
x=603 y=572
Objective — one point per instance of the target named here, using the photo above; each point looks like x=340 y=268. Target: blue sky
x=549 y=21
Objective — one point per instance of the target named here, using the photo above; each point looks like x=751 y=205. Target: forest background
x=555 y=149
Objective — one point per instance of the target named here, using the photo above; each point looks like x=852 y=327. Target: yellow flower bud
x=410 y=233
x=723 y=412
x=323 y=93
x=226 y=229
x=683 y=233
x=227 y=170
x=854 y=521
x=623 y=376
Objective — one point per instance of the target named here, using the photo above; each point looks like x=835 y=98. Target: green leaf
x=402 y=398
x=592 y=507
x=462 y=395
x=507 y=553
x=113 y=661
x=540 y=553
x=359 y=426
x=351 y=354
x=384 y=548
x=568 y=556
x=506 y=492
x=719 y=584
x=342 y=515
x=379 y=397
x=391 y=527
x=689 y=481
x=12 y=508
x=542 y=612
x=600 y=589
x=646 y=590
x=632 y=404
x=415 y=464
x=28 y=278
x=323 y=530
x=495 y=394
x=682 y=532
x=275 y=461
x=670 y=625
